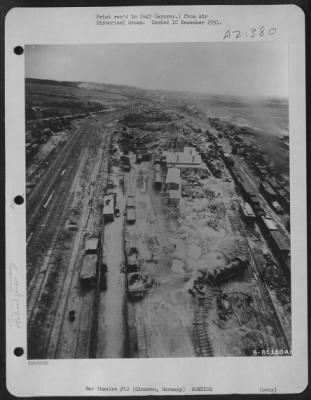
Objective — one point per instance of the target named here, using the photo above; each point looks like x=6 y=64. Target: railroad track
x=84 y=307
x=264 y=293
x=252 y=274
x=44 y=249
x=142 y=341
x=44 y=223
x=50 y=177
x=202 y=307
x=46 y=234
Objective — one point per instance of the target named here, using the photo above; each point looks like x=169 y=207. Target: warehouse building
x=189 y=158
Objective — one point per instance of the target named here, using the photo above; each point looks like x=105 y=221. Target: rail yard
x=157 y=226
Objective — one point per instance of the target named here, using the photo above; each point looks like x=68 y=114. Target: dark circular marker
x=18 y=200
x=18 y=351
x=18 y=50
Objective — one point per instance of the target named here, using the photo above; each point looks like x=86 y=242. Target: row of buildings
x=171 y=163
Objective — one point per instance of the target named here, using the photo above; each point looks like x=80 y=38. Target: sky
x=241 y=68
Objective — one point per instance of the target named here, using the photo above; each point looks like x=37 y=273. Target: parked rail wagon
x=130 y=215
x=88 y=271
x=246 y=189
x=130 y=202
x=254 y=200
x=278 y=241
x=132 y=259
x=281 y=249
x=136 y=285
x=268 y=191
x=277 y=207
x=108 y=210
x=131 y=192
x=258 y=210
x=274 y=184
x=255 y=203
x=283 y=198
x=223 y=273
x=91 y=245
x=247 y=211
x=268 y=223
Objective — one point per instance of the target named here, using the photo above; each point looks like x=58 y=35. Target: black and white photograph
x=158 y=200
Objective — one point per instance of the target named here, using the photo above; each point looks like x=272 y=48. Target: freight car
x=91 y=245
x=108 y=210
x=132 y=259
x=88 y=271
x=130 y=215
x=130 y=202
x=136 y=285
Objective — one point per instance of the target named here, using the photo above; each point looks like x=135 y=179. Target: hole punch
x=18 y=200
x=18 y=351
x=18 y=50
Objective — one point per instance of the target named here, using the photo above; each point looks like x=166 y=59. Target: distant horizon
x=243 y=69
x=160 y=90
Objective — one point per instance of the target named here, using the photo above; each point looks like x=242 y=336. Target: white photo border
x=245 y=375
